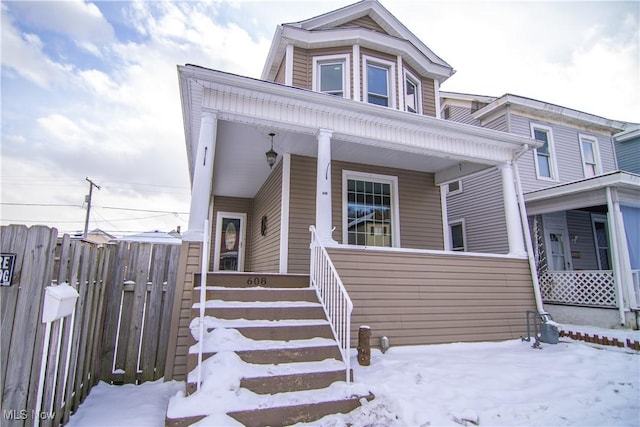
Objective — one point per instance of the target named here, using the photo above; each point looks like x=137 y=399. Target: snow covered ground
x=502 y=384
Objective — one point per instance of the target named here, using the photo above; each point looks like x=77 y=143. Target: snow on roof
x=152 y=237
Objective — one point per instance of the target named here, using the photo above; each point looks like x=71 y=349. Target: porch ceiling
x=585 y=193
x=240 y=165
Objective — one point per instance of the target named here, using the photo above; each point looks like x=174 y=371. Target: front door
x=229 y=242
x=557 y=241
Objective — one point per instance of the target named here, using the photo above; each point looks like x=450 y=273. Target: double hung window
x=411 y=93
x=458 y=241
x=589 y=151
x=379 y=82
x=544 y=160
x=330 y=74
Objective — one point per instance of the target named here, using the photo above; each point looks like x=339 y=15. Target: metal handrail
x=206 y=242
x=333 y=296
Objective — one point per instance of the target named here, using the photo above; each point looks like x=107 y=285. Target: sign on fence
x=7 y=262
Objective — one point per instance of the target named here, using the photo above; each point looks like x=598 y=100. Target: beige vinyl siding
x=418 y=198
x=301 y=69
x=179 y=335
x=302 y=211
x=265 y=250
x=364 y=22
x=235 y=205
x=429 y=298
x=583 y=250
x=428 y=97
x=567 y=153
x=482 y=207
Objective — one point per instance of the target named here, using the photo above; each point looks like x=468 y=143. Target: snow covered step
x=261 y=310
x=258 y=294
x=277 y=378
x=270 y=384
x=217 y=303
x=302 y=413
x=279 y=409
x=277 y=355
x=211 y=322
x=288 y=333
x=222 y=339
x=251 y=370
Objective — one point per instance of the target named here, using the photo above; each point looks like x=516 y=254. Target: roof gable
x=374 y=11
x=364 y=22
x=355 y=24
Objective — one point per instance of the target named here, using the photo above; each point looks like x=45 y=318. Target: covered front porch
x=587 y=249
x=364 y=175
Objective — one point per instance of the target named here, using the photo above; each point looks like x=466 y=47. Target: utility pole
x=87 y=199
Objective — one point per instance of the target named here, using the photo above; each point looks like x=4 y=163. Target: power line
x=47 y=205
x=143 y=210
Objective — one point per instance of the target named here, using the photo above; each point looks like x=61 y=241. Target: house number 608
x=262 y=281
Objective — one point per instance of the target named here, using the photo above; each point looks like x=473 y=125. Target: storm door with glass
x=229 y=242
x=557 y=241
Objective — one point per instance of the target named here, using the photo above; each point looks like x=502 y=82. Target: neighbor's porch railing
x=333 y=296
x=585 y=287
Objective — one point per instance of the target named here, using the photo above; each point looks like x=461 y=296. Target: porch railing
x=333 y=296
x=595 y=288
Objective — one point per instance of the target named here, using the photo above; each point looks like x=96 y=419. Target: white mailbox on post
x=59 y=301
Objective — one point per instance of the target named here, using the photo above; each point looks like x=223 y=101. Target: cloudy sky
x=90 y=89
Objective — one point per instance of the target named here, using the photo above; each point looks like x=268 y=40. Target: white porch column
x=202 y=177
x=323 y=187
x=511 y=213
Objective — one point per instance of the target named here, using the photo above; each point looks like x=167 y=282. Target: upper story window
x=330 y=74
x=589 y=151
x=544 y=156
x=412 y=90
x=379 y=82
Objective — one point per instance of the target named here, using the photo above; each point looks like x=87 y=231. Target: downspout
x=613 y=236
x=525 y=229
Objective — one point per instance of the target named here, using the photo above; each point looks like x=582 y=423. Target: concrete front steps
x=292 y=369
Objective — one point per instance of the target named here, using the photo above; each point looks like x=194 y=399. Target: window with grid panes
x=369 y=213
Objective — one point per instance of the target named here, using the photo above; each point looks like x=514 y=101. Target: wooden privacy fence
x=117 y=333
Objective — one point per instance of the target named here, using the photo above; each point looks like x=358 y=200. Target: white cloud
x=23 y=53
x=80 y=21
x=98 y=81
